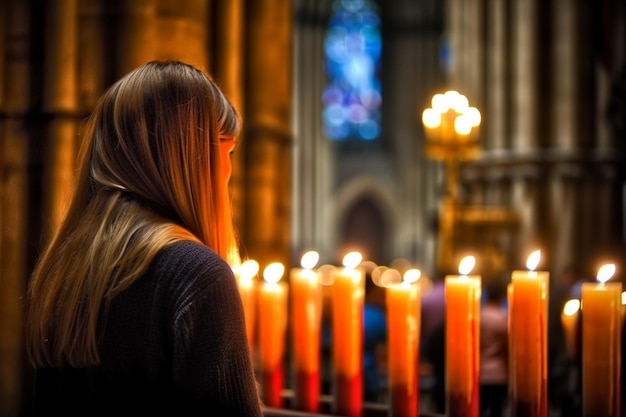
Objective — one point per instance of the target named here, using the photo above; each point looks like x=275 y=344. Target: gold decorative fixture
x=451 y=126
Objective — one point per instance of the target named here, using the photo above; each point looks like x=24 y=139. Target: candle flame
x=466 y=265
x=533 y=260
x=352 y=259
x=412 y=275
x=605 y=273
x=571 y=307
x=248 y=269
x=273 y=272
x=309 y=259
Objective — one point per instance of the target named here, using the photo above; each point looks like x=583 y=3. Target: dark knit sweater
x=174 y=344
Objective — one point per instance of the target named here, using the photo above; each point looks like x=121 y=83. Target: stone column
x=526 y=185
x=473 y=66
x=227 y=67
x=524 y=49
x=564 y=75
x=181 y=31
x=60 y=104
x=313 y=170
x=268 y=136
x=564 y=206
x=15 y=220
x=136 y=37
x=496 y=113
x=94 y=65
x=567 y=131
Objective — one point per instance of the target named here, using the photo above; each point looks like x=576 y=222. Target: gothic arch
x=365 y=219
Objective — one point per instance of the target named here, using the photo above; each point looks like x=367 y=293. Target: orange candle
x=348 y=290
x=245 y=274
x=272 y=313
x=528 y=312
x=601 y=315
x=403 y=315
x=569 y=321
x=306 y=314
x=462 y=341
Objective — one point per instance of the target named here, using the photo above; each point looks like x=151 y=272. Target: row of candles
x=527 y=305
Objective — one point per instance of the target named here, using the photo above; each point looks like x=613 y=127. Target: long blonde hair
x=149 y=176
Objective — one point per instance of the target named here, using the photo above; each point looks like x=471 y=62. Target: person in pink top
x=493 y=350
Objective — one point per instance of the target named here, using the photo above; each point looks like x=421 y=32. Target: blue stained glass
x=353 y=45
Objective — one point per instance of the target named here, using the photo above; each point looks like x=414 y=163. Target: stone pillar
x=454 y=37
x=525 y=141
x=474 y=54
x=227 y=68
x=524 y=48
x=94 y=65
x=495 y=114
x=567 y=130
x=465 y=20
x=181 y=30
x=564 y=75
x=136 y=37
x=313 y=169
x=564 y=206
x=268 y=136
x=14 y=185
x=60 y=104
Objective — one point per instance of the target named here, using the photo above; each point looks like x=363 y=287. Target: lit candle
x=601 y=316
x=306 y=313
x=272 y=325
x=462 y=341
x=403 y=315
x=569 y=321
x=348 y=290
x=245 y=274
x=528 y=312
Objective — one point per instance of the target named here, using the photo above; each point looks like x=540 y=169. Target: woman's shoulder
x=189 y=263
x=189 y=254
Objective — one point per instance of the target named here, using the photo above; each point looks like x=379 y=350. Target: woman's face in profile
x=227 y=145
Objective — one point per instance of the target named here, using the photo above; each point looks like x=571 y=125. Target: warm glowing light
x=325 y=274
x=571 y=307
x=377 y=274
x=439 y=103
x=462 y=125
x=352 y=259
x=466 y=265
x=248 y=269
x=412 y=275
x=431 y=118
x=473 y=116
x=533 y=260
x=623 y=297
x=390 y=277
x=605 y=273
x=273 y=272
x=309 y=259
x=464 y=118
x=459 y=103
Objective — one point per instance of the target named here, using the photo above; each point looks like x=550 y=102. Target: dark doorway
x=363 y=229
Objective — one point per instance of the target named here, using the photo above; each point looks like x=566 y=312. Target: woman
x=133 y=308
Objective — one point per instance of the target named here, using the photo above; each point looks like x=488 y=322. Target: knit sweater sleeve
x=211 y=356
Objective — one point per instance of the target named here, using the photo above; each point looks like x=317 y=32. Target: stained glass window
x=352 y=49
